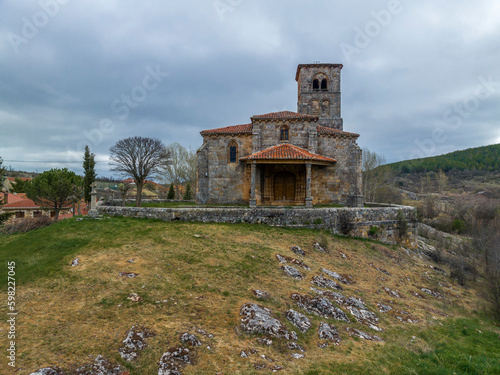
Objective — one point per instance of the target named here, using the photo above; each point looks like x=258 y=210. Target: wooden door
x=284 y=186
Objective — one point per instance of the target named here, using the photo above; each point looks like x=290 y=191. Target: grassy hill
x=194 y=277
x=485 y=158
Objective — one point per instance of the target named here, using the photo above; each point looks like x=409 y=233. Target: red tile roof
x=13 y=179
x=235 y=129
x=25 y=203
x=285 y=115
x=323 y=130
x=285 y=151
x=11 y=198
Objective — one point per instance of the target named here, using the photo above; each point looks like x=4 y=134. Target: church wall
x=221 y=182
x=298 y=133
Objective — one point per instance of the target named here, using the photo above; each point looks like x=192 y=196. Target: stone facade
x=286 y=158
x=393 y=224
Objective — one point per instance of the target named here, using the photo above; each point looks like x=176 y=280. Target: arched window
x=232 y=150
x=284 y=133
x=316 y=84
x=324 y=85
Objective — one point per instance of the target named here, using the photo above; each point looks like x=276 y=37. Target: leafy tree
x=188 y=195
x=139 y=158
x=89 y=174
x=171 y=192
x=53 y=189
x=18 y=186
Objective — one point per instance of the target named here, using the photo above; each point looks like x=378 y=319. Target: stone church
x=301 y=158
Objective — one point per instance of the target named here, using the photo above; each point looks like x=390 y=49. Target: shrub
x=25 y=225
x=373 y=231
x=458 y=226
x=5 y=216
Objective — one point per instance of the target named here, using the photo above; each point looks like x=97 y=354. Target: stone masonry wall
x=396 y=224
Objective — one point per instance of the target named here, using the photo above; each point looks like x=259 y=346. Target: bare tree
x=139 y=158
x=181 y=167
x=375 y=174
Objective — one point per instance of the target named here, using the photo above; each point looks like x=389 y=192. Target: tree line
x=485 y=158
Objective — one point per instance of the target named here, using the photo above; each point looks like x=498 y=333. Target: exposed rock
x=299 y=320
x=333 y=296
x=365 y=317
x=259 y=366
x=380 y=269
x=295 y=346
x=130 y=275
x=281 y=258
x=135 y=342
x=383 y=308
x=319 y=248
x=260 y=294
x=297 y=355
x=362 y=335
x=325 y=283
x=269 y=359
x=404 y=316
x=172 y=362
x=285 y=259
x=75 y=262
x=203 y=332
x=276 y=368
x=336 y=276
x=266 y=342
x=201 y=236
x=258 y=319
x=319 y=306
x=418 y=295
x=292 y=272
x=248 y=352
x=328 y=332
x=432 y=293
x=49 y=371
x=190 y=339
x=392 y=293
x=101 y=366
x=134 y=297
x=356 y=302
x=297 y=250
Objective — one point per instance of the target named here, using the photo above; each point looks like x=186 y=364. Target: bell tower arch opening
x=320 y=84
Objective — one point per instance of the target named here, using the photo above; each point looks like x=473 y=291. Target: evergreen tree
x=89 y=173
x=53 y=189
x=2 y=172
x=18 y=186
x=188 y=195
x=171 y=192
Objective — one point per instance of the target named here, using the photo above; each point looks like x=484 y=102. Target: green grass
x=69 y=313
x=458 y=346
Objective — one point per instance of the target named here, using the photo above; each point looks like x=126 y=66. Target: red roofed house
x=26 y=208
x=286 y=158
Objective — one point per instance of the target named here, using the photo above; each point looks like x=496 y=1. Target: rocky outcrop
x=135 y=342
x=328 y=332
x=299 y=320
x=172 y=361
x=292 y=272
x=258 y=319
x=319 y=306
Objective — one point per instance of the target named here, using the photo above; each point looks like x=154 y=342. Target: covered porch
x=282 y=175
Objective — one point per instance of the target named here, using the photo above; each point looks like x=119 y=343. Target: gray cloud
x=62 y=88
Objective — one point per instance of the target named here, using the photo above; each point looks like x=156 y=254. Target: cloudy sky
x=420 y=78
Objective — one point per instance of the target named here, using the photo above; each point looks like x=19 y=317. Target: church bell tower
x=319 y=93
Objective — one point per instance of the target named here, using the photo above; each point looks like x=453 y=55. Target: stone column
x=309 y=199
x=93 y=203
x=253 y=200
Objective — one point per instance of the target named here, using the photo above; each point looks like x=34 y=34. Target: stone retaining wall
x=395 y=224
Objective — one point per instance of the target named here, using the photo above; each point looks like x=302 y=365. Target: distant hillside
x=485 y=158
